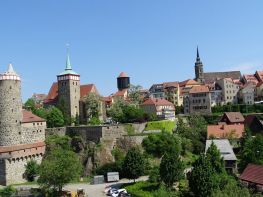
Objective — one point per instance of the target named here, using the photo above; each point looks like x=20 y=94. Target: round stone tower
x=10 y=108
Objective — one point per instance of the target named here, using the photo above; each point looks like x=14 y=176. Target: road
x=91 y=190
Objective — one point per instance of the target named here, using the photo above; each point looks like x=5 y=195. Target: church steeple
x=68 y=65
x=199 y=73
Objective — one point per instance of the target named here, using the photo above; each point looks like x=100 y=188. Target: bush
x=32 y=170
x=94 y=121
x=142 y=189
x=7 y=191
x=164 y=125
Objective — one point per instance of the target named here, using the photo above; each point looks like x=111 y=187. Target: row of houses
x=226 y=135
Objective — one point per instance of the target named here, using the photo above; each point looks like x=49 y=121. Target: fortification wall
x=61 y=131
x=33 y=132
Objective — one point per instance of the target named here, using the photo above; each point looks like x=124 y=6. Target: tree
x=252 y=151
x=58 y=168
x=160 y=143
x=30 y=104
x=134 y=94
x=92 y=105
x=55 y=118
x=55 y=141
x=201 y=180
x=32 y=170
x=7 y=191
x=133 y=164
x=214 y=157
x=116 y=111
x=171 y=168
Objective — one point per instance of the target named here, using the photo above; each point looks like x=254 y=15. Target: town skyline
x=160 y=44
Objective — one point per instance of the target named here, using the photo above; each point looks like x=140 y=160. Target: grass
x=189 y=158
x=164 y=125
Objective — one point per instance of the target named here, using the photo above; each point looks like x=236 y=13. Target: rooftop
x=199 y=89
x=224 y=147
x=225 y=131
x=253 y=173
x=233 y=117
x=29 y=117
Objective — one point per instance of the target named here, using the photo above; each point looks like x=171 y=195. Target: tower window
x=10 y=87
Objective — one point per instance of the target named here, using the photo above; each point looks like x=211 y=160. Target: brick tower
x=10 y=108
x=69 y=89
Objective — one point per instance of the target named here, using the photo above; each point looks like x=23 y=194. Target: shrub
x=32 y=170
x=7 y=191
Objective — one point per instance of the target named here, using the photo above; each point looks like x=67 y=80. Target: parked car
x=118 y=192
x=111 y=191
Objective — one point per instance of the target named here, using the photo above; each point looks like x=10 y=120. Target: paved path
x=91 y=190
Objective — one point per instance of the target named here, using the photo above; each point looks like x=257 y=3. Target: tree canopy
x=133 y=164
x=92 y=105
x=55 y=118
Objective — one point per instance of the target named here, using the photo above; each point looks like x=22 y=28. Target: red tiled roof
x=234 y=117
x=86 y=89
x=188 y=82
x=28 y=116
x=53 y=93
x=253 y=173
x=170 y=84
x=123 y=74
x=260 y=75
x=4 y=149
x=223 y=131
x=250 y=79
x=121 y=92
x=157 y=102
x=259 y=84
x=199 y=89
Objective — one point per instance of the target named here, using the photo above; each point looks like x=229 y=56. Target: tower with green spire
x=69 y=90
x=199 y=71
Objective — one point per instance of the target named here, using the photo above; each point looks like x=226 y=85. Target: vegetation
x=32 y=170
x=160 y=143
x=55 y=118
x=171 y=168
x=92 y=105
x=243 y=108
x=133 y=164
x=7 y=191
x=252 y=151
x=60 y=165
x=164 y=125
x=134 y=94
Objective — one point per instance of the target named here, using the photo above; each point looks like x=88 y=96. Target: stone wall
x=10 y=113
x=33 y=132
x=61 y=131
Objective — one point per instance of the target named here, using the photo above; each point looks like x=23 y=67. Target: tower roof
x=122 y=75
x=10 y=74
x=197 y=55
x=68 y=69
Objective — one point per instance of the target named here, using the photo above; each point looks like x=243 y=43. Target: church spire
x=197 y=55
x=68 y=65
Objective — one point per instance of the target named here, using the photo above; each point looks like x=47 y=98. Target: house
x=157 y=91
x=229 y=90
x=259 y=75
x=252 y=176
x=224 y=131
x=246 y=94
x=259 y=91
x=198 y=100
x=162 y=108
x=172 y=93
x=254 y=124
x=231 y=118
x=250 y=79
x=226 y=152
x=39 y=98
x=216 y=94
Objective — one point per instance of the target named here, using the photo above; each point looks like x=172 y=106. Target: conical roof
x=10 y=71
x=68 y=69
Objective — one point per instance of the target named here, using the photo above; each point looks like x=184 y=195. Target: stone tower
x=123 y=81
x=69 y=90
x=10 y=108
x=199 y=72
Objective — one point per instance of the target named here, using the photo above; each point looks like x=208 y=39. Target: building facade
x=229 y=91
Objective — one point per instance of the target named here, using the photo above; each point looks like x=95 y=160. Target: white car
x=116 y=193
x=110 y=191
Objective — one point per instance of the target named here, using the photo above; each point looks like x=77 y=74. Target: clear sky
x=152 y=41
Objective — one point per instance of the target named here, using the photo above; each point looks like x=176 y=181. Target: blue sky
x=153 y=41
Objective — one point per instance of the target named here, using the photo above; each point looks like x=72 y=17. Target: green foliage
x=59 y=167
x=31 y=106
x=92 y=105
x=7 y=191
x=55 y=141
x=118 y=154
x=252 y=151
x=215 y=159
x=201 y=180
x=94 y=121
x=134 y=94
x=171 y=168
x=133 y=164
x=194 y=129
x=123 y=112
x=160 y=143
x=128 y=128
x=110 y=167
x=243 y=108
x=55 y=118
x=154 y=176
x=32 y=170
x=164 y=125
